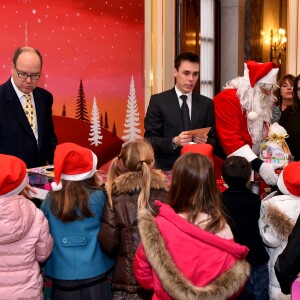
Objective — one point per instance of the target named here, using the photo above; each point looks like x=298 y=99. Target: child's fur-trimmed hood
x=173 y=281
x=131 y=182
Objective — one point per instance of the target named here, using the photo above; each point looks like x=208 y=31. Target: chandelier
x=278 y=45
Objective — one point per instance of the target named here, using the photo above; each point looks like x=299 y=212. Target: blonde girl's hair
x=137 y=156
x=194 y=190
x=74 y=197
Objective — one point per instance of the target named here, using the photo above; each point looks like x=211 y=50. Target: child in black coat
x=243 y=209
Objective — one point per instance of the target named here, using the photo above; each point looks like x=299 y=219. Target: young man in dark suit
x=34 y=140
x=165 y=122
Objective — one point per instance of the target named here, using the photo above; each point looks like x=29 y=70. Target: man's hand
x=268 y=174
x=28 y=191
x=183 y=139
x=200 y=138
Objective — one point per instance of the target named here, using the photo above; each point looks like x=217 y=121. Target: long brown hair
x=137 y=156
x=194 y=190
x=277 y=93
x=74 y=196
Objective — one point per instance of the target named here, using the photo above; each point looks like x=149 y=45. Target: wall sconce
x=278 y=45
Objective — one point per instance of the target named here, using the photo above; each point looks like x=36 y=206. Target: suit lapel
x=17 y=109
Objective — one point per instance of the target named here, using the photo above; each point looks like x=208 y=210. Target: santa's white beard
x=253 y=100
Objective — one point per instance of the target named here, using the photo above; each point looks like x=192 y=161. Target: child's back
x=77 y=254
x=24 y=235
x=132 y=184
x=242 y=207
x=187 y=251
x=77 y=266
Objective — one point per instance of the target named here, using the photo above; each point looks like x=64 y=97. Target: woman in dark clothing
x=284 y=95
x=290 y=121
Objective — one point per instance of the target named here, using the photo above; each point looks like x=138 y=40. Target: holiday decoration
x=275 y=149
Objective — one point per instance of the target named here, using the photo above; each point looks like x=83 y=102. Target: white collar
x=19 y=92
x=179 y=93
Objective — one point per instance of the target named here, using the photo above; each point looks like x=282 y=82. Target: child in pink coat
x=187 y=251
x=24 y=235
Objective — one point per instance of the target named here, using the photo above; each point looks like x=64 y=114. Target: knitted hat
x=204 y=149
x=13 y=177
x=289 y=179
x=260 y=72
x=73 y=162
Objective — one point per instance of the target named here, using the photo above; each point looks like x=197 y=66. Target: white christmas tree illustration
x=95 y=131
x=131 y=130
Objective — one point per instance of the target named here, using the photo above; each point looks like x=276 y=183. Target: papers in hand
x=199 y=131
x=40 y=193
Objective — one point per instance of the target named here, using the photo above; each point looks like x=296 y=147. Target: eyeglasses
x=24 y=75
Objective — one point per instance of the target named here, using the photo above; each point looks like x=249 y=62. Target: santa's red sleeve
x=231 y=125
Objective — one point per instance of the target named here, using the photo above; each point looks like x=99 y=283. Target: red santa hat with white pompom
x=13 y=176
x=289 y=179
x=259 y=74
x=73 y=162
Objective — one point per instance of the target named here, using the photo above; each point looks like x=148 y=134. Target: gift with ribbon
x=274 y=148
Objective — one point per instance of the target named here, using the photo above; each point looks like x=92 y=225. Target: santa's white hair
x=253 y=100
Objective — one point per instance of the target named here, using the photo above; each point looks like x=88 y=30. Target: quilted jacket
x=119 y=236
x=24 y=242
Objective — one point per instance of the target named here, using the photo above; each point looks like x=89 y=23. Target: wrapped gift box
x=272 y=155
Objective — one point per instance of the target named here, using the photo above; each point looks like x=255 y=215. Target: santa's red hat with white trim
x=289 y=179
x=261 y=73
x=13 y=176
x=74 y=163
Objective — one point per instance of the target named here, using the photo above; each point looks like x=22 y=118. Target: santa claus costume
x=242 y=111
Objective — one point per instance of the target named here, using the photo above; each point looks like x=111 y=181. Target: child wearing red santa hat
x=24 y=235
x=77 y=266
x=242 y=111
x=279 y=212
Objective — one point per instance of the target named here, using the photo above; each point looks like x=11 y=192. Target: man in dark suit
x=164 y=121
x=32 y=141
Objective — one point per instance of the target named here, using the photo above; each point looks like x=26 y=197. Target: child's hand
x=28 y=191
